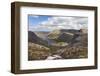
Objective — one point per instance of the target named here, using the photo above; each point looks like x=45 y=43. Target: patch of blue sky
x=35 y=20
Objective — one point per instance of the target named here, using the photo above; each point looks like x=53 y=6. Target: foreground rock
x=73 y=52
x=38 y=52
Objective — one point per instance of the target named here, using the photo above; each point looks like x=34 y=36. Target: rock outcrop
x=37 y=52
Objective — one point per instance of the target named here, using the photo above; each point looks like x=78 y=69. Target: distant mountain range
x=70 y=36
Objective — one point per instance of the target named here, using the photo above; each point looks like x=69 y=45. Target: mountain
x=61 y=35
x=41 y=34
x=70 y=31
x=54 y=34
x=69 y=36
x=65 y=37
x=32 y=37
x=80 y=40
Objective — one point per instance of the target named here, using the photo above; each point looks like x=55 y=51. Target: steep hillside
x=32 y=37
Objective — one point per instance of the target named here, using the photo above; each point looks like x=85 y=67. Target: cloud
x=62 y=23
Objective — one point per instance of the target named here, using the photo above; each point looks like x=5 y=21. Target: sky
x=49 y=23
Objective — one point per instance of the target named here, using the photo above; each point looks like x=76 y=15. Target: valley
x=57 y=44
